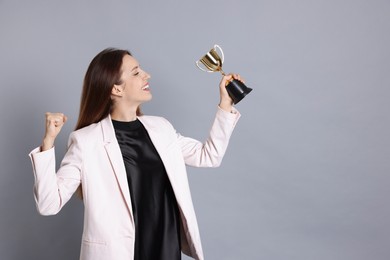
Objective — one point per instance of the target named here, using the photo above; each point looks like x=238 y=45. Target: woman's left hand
x=226 y=102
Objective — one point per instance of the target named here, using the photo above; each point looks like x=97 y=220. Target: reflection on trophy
x=212 y=62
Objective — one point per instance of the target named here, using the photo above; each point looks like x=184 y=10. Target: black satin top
x=156 y=214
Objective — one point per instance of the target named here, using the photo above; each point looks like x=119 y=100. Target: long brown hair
x=102 y=74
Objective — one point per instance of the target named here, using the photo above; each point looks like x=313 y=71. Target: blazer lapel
x=160 y=142
x=116 y=159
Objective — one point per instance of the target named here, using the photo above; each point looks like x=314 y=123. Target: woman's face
x=134 y=85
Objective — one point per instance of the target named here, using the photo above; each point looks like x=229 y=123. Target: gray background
x=306 y=175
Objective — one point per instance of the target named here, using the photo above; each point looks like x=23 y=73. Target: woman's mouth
x=146 y=87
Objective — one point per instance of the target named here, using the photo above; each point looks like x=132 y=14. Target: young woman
x=129 y=168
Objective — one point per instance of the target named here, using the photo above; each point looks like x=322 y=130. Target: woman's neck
x=124 y=115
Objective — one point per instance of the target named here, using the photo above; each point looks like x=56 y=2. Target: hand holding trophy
x=212 y=62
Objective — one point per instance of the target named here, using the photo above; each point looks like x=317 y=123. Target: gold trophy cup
x=212 y=62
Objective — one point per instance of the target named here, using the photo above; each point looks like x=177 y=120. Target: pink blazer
x=94 y=159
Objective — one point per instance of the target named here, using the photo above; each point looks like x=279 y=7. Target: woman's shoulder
x=153 y=118
x=155 y=121
x=87 y=132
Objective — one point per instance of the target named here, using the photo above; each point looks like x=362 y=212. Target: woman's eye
x=136 y=74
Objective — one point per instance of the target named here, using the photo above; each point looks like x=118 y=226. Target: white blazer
x=94 y=160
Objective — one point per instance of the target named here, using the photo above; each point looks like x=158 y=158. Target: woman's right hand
x=54 y=124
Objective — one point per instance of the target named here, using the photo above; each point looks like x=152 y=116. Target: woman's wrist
x=47 y=144
x=227 y=106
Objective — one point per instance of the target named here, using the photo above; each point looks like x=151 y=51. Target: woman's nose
x=146 y=75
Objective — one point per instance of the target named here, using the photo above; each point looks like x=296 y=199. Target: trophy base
x=237 y=90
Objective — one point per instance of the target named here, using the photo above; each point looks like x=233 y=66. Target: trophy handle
x=220 y=49
x=197 y=64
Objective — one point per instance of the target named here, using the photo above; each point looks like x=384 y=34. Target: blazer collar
x=108 y=130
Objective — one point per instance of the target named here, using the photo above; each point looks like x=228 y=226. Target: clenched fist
x=54 y=124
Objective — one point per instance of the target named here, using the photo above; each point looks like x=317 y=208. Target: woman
x=128 y=168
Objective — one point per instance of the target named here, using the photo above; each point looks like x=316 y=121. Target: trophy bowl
x=212 y=62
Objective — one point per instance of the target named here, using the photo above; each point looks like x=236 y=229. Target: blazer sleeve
x=211 y=152
x=53 y=190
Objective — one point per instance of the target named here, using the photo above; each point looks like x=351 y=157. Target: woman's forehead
x=129 y=62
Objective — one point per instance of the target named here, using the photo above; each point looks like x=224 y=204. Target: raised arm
x=51 y=190
x=211 y=152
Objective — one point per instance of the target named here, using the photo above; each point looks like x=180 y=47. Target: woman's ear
x=117 y=90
